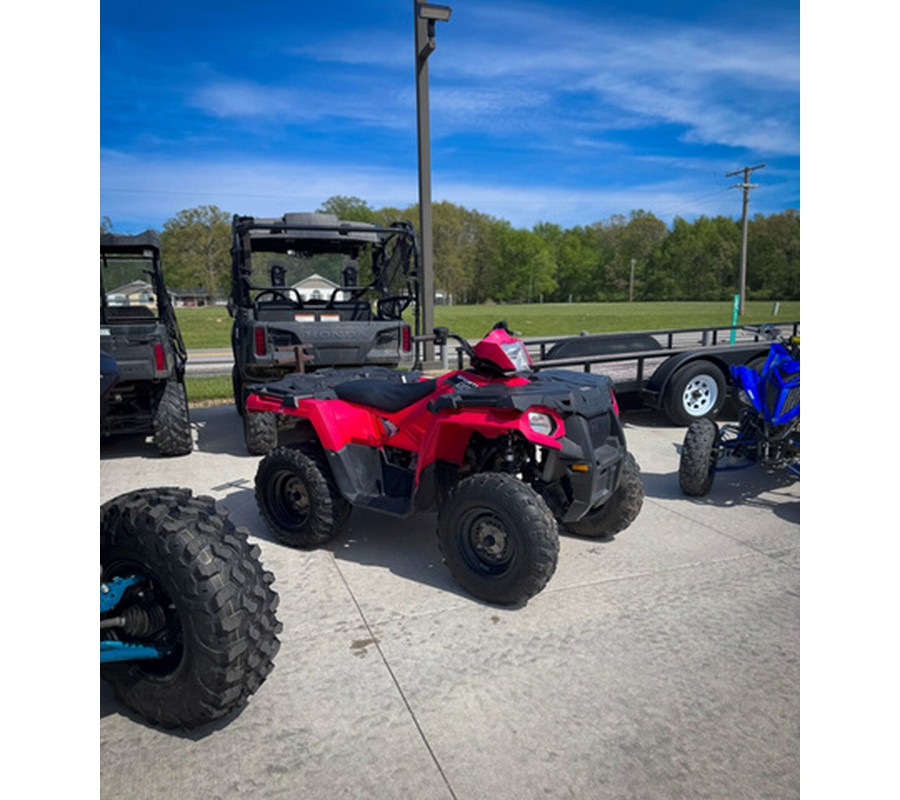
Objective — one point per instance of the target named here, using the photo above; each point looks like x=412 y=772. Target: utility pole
x=426 y=15
x=746 y=186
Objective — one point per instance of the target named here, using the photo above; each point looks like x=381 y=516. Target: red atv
x=504 y=455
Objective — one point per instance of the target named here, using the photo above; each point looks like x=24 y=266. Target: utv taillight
x=615 y=403
x=260 y=341
x=406 y=344
x=159 y=357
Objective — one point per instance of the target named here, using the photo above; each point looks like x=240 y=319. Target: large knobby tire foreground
x=210 y=598
x=619 y=511
x=172 y=422
x=498 y=538
x=297 y=497
x=699 y=454
x=697 y=391
x=260 y=432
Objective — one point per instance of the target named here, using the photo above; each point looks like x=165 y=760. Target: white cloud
x=146 y=192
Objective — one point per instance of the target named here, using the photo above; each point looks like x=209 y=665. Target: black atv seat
x=386 y=395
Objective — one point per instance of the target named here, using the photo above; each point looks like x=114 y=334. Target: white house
x=315 y=287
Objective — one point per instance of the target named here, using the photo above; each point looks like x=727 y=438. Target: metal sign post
x=426 y=15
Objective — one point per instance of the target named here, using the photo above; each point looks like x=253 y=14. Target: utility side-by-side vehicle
x=139 y=330
x=311 y=292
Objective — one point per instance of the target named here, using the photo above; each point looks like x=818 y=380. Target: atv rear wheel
x=204 y=597
x=617 y=513
x=172 y=422
x=260 y=432
x=498 y=538
x=298 y=498
x=699 y=455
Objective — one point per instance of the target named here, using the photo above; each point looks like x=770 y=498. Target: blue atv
x=768 y=429
x=187 y=613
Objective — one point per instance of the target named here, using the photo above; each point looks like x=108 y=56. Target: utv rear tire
x=260 y=432
x=699 y=454
x=172 y=422
x=498 y=538
x=617 y=513
x=220 y=607
x=297 y=497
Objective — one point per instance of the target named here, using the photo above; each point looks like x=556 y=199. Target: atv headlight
x=541 y=423
x=517 y=354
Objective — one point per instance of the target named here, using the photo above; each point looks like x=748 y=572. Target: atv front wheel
x=297 y=497
x=172 y=422
x=202 y=600
x=617 y=513
x=699 y=455
x=260 y=432
x=498 y=538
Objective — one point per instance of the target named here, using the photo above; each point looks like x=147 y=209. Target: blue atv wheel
x=699 y=456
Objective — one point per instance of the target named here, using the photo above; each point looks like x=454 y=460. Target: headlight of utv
x=541 y=423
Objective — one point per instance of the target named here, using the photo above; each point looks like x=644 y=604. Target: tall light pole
x=426 y=16
x=746 y=186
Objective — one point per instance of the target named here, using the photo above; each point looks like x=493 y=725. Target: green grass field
x=211 y=327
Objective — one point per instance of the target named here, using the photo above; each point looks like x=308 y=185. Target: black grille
x=774 y=389
x=599 y=429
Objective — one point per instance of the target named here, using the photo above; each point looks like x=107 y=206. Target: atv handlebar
x=771 y=332
x=441 y=335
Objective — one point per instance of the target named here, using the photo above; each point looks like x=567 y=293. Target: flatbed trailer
x=684 y=372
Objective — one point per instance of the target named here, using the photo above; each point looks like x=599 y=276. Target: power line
x=746 y=186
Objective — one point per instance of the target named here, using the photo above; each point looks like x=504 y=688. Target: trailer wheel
x=699 y=455
x=498 y=538
x=697 y=391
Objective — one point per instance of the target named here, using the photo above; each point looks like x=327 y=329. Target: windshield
x=126 y=282
x=308 y=271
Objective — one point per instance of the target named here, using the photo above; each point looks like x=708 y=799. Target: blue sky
x=566 y=112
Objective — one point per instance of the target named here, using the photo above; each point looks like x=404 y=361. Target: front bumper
x=585 y=471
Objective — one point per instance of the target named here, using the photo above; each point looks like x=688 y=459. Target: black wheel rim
x=486 y=543
x=289 y=500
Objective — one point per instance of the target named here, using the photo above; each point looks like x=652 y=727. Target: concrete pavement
x=663 y=664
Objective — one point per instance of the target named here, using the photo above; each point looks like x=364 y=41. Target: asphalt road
x=662 y=664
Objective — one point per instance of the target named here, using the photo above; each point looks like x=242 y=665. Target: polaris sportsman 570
x=503 y=454
x=768 y=429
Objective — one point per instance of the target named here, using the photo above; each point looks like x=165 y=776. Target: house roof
x=315 y=280
x=132 y=288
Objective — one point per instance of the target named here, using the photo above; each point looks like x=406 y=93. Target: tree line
x=479 y=258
